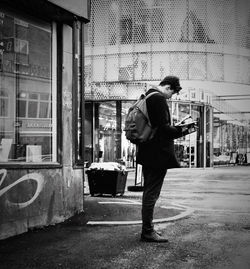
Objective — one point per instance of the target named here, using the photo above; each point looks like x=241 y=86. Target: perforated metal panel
x=144 y=40
x=109 y=91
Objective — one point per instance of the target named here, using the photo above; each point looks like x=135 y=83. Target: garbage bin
x=103 y=181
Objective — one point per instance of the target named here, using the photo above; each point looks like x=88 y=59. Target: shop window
x=27 y=97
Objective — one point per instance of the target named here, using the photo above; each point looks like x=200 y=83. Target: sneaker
x=153 y=237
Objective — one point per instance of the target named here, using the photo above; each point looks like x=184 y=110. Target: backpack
x=138 y=128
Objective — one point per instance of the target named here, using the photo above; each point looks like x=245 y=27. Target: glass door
x=107 y=132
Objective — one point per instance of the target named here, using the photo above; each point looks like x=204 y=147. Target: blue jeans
x=153 y=180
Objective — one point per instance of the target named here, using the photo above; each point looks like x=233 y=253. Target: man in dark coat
x=157 y=155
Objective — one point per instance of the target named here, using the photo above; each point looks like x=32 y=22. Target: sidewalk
x=124 y=210
x=107 y=226
x=106 y=235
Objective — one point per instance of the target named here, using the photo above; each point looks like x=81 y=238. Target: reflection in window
x=4 y=101
x=32 y=109
x=34 y=105
x=26 y=130
x=44 y=109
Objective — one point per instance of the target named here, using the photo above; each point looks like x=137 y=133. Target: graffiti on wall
x=32 y=176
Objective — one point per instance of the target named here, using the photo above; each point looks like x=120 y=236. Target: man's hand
x=188 y=129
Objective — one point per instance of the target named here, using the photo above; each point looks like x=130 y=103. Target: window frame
x=78 y=98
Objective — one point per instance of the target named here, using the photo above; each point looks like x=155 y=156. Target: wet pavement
x=205 y=213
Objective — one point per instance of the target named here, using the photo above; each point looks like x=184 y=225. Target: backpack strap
x=150 y=94
x=145 y=98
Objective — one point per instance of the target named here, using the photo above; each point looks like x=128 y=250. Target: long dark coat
x=159 y=152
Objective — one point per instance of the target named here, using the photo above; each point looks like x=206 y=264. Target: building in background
x=132 y=44
x=41 y=120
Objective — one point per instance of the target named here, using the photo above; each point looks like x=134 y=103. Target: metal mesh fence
x=143 y=40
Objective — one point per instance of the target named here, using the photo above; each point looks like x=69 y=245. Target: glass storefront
x=101 y=127
x=105 y=140
x=231 y=140
x=27 y=95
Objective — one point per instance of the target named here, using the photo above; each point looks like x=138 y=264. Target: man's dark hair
x=173 y=81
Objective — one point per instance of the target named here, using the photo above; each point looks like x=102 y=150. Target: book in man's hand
x=188 y=125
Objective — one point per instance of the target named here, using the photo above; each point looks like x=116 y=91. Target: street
x=216 y=234
x=220 y=189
